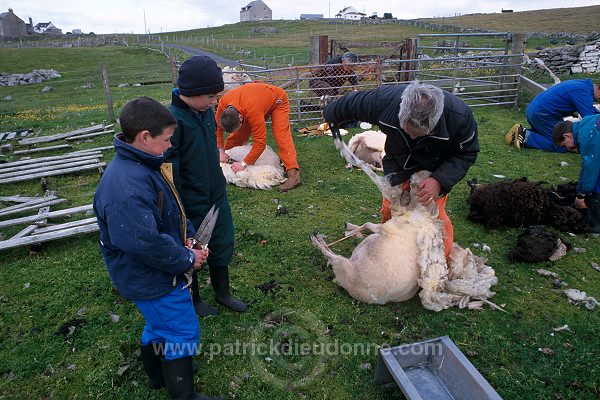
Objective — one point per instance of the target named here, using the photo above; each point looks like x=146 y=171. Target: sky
x=155 y=16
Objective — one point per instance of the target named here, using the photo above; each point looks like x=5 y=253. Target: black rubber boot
x=151 y=362
x=202 y=308
x=219 y=279
x=179 y=380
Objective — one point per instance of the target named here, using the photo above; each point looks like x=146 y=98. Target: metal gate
x=477 y=67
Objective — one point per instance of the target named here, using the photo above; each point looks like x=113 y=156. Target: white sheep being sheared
x=407 y=252
x=234 y=78
x=369 y=147
x=264 y=174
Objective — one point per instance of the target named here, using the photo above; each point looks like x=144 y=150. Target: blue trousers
x=171 y=323
x=539 y=136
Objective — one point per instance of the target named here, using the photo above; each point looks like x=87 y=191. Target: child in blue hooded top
x=584 y=136
x=144 y=242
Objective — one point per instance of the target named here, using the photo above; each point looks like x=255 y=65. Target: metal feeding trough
x=433 y=369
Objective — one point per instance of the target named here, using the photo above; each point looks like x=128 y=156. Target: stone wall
x=583 y=58
x=36 y=76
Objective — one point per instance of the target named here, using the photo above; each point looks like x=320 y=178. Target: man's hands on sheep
x=429 y=191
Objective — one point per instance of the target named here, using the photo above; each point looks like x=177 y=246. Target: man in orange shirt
x=243 y=111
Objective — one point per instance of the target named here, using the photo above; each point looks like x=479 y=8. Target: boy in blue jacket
x=584 y=136
x=143 y=240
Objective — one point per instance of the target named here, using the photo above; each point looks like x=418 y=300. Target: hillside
x=580 y=20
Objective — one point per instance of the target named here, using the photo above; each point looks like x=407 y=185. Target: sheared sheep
x=517 y=203
x=537 y=244
x=234 y=78
x=264 y=174
x=407 y=252
x=369 y=146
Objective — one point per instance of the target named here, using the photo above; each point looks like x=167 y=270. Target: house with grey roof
x=256 y=10
x=47 y=28
x=12 y=26
x=350 y=13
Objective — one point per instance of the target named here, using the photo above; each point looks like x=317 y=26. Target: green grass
x=67 y=275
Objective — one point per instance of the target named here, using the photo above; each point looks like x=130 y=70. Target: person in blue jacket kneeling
x=549 y=108
x=584 y=136
x=144 y=242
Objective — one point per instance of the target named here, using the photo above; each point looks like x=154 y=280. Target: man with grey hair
x=426 y=129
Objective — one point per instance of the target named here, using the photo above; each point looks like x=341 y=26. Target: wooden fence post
x=407 y=53
x=318 y=50
x=514 y=66
x=109 y=103
x=174 y=71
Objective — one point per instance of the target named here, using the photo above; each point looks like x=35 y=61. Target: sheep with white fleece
x=407 y=252
x=369 y=146
x=264 y=174
x=234 y=78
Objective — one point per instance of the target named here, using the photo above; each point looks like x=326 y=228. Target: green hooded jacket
x=198 y=177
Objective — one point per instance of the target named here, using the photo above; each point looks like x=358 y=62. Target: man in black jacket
x=426 y=128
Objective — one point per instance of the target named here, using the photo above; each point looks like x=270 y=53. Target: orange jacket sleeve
x=219 y=132
x=258 y=127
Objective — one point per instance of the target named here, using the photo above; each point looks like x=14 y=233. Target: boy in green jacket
x=197 y=171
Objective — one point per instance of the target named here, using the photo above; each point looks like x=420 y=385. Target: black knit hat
x=200 y=75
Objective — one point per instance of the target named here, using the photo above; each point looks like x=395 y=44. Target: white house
x=350 y=13
x=47 y=27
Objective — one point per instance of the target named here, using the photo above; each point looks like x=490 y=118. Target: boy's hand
x=580 y=203
x=223 y=157
x=201 y=256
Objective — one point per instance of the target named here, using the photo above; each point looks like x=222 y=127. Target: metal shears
x=204 y=232
x=202 y=237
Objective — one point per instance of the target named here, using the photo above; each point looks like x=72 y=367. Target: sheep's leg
x=319 y=242
x=344 y=270
x=375 y=168
x=356 y=230
x=354 y=160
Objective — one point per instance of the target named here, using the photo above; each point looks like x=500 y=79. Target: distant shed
x=311 y=16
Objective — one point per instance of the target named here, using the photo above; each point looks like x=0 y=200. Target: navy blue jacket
x=563 y=99
x=142 y=231
x=448 y=151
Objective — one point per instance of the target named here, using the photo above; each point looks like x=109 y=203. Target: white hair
x=422 y=105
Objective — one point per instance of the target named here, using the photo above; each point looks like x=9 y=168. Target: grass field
x=582 y=20
x=284 y=279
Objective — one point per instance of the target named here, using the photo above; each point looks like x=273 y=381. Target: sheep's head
x=399 y=199
x=402 y=201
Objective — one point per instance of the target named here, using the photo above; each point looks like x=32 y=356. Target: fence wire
x=478 y=80
x=484 y=80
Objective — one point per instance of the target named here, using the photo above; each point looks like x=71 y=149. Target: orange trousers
x=282 y=133
x=386 y=214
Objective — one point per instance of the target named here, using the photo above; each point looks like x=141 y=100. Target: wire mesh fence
x=480 y=79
